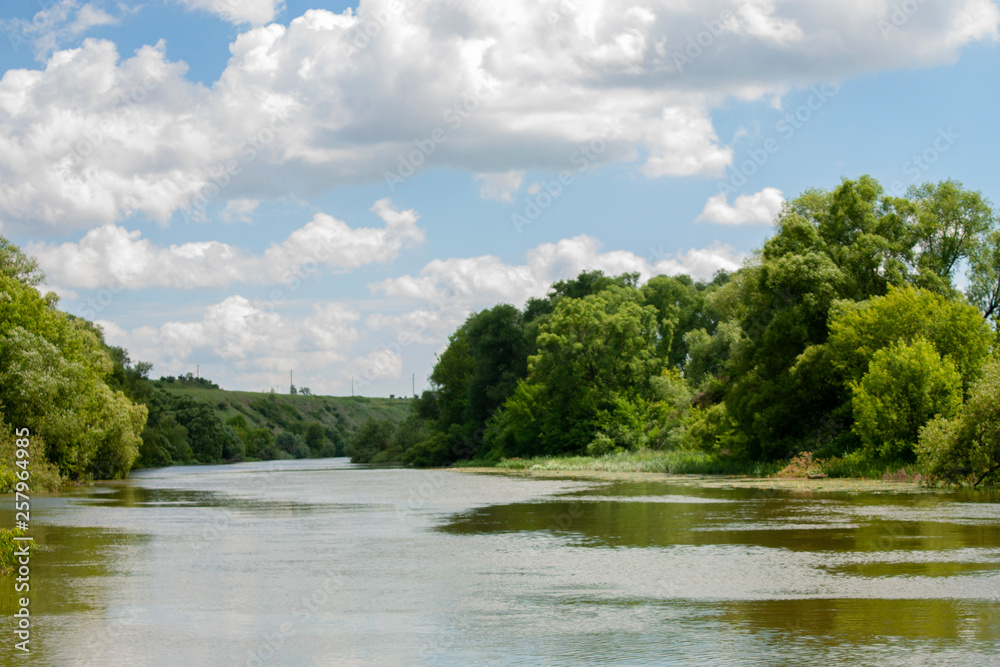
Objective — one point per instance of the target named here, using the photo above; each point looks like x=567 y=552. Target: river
x=326 y=563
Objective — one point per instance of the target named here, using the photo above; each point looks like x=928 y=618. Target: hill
x=287 y=412
x=193 y=420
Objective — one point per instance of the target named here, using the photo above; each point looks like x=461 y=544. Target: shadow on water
x=663 y=515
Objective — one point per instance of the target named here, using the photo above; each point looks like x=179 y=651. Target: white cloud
x=757 y=19
x=446 y=291
x=759 y=208
x=258 y=341
x=255 y=12
x=239 y=210
x=319 y=103
x=500 y=187
x=111 y=256
x=378 y=365
x=54 y=25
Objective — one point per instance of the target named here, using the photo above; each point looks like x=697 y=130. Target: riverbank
x=701 y=469
x=830 y=485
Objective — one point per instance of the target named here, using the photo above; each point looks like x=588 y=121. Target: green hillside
x=192 y=420
x=287 y=412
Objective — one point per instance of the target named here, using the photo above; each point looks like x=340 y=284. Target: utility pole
x=414 y=383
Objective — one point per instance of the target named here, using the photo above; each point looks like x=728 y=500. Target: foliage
x=44 y=475
x=848 y=245
x=370 y=441
x=955 y=330
x=906 y=386
x=8 y=547
x=968 y=445
x=291 y=444
x=596 y=357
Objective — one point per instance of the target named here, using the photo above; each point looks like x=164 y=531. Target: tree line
x=94 y=413
x=845 y=336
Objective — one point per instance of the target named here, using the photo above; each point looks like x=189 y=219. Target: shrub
x=968 y=446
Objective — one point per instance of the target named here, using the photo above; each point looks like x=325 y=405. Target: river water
x=325 y=563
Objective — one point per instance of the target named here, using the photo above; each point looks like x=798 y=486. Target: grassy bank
x=700 y=463
x=664 y=462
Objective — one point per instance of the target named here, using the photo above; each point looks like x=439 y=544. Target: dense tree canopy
x=843 y=335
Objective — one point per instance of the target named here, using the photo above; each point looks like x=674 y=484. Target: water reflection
x=323 y=563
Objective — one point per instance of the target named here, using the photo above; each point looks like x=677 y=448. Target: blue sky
x=226 y=183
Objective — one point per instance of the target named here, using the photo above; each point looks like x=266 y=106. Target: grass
x=852 y=466
x=283 y=411
x=665 y=462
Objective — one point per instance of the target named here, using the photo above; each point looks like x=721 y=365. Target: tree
x=292 y=444
x=851 y=244
x=984 y=278
x=949 y=224
x=596 y=356
x=954 y=329
x=969 y=444
x=906 y=385
x=17 y=266
x=373 y=438
x=91 y=430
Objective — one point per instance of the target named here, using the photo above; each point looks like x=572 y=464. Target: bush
x=7 y=548
x=968 y=446
x=601 y=445
x=370 y=440
x=906 y=386
x=290 y=443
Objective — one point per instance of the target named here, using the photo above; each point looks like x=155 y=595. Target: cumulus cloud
x=239 y=210
x=255 y=12
x=759 y=208
x=54 y=25
x=360 y=96
x=378 y=365
x=500 y=187
x=111 y=256
x=255 y=340
x=446 y=291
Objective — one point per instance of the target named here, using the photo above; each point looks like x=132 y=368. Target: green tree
x=368 y=442
x=955 y=329
x=906 y=385
x=967 y=446
x=984 y=278
x=290 y=443
x=596 y=355
x=853 y=243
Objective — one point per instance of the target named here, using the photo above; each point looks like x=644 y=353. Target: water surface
x=325 y=563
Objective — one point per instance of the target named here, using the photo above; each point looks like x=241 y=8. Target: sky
x=244 y=188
